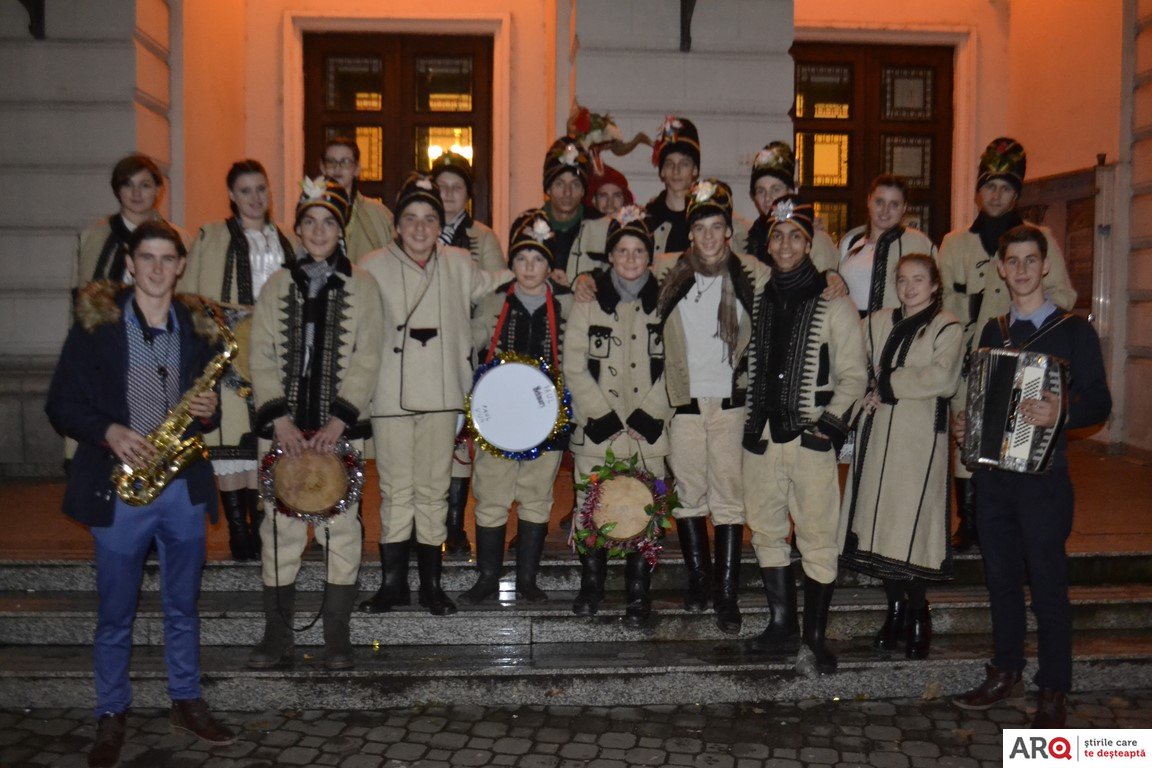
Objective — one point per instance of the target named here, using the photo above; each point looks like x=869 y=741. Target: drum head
x=622 y=501
x=243 y=333
x=311 y=483
x=514 y=406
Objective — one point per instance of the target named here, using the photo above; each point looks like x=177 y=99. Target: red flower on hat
x=583 y=121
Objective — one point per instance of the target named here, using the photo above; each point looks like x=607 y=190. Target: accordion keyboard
x=1022 y=433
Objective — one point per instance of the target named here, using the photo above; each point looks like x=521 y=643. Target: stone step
x=68 y=618
x=577 y=674
x=559 y=570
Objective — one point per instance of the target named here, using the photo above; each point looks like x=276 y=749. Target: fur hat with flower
x=323 y=193
x=566 y=155
x=776 y=159
x=709 y=197
x=1003 y=158
x=419 y=188
x=792 y=209
x=676 y=134
x=451 y=162
x=629 y=220
x=531 y=231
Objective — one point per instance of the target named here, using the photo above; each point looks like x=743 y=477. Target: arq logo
x=1040 y=748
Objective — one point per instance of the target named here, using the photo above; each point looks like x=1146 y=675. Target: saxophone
x=138 y=487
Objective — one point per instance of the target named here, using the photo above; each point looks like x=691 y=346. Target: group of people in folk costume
x=737 y=360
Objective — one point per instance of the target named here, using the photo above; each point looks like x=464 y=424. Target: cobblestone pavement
x=901 y=733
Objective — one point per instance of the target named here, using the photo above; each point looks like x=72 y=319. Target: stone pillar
x=94 y=90
x=1132 y=394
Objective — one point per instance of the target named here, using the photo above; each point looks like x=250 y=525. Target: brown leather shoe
x=998 y=686
x=192 y=715
x=109 y=741
x=1051 y=709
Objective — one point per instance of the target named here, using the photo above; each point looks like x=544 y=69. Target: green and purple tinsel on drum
x=591 y=533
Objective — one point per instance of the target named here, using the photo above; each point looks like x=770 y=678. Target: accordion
x=996 y=435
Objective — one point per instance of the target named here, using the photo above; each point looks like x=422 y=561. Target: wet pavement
x=896 y=733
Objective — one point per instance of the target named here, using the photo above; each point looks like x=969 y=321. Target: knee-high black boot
x=277 y=646
x=817 y=599
x=966 y=534
x=892 y=632
x=234 y=514
x=594 y=567
x=338 y=602
x=489 y=559
x=918 y=634
x=729 y=542
x=638 y=577
x=693 y=533
x=394 y=589
x=432 y=595
x=457 y=544
x=782 y=635
x=255 y=508
x=529 y=548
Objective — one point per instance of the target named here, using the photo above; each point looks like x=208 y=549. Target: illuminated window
x=433 y=141
x=444 y=84
x=353 y=83
x=829 y=159
x=824 y=91
x=833 y=217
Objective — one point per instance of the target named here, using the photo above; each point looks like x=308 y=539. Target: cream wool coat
x=912 y=241
x=371 y=228
x=485 y=247
x=895 y=516
x=358 y=354
x=970 y=277
x=588 y=251
x=749 y=276
x=426 y=362
x=614 y=363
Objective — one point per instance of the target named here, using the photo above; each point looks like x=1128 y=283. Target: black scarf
x=111 y=263
x=880 y=266
x=992 y=228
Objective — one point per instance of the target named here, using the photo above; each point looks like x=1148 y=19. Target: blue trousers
x=1024 y=521
x=177 y=527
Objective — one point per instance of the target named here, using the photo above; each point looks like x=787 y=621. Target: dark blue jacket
x=89 y=393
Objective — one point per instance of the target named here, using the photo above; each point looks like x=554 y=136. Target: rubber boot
x=892 y=632
x=338 y=602
x=729 y=542
x=782 y=635
x=529 y=548
x=593 y=569
x=489 y=560
x=457 y=544
x=255 y=508
x=965 y=536
x=637 y=579
x=817 y=599
x=432 y=597
x=694 y=544
x=234 y=513
x=278 y=645
x=394 y=589
x=918 y=632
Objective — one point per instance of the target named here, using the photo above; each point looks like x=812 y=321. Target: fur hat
x=676 y=134
x=629 y=220
x=566 y=155
x=609 y=176
x=1005 y=159
x=418 y=188
x=450 y=162
x=324 y=193
x=709 y=197
x=531 y=231
x=792 y=208
x=776 y=159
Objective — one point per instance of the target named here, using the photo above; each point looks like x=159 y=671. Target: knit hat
x=418 y=188
x=531 y=232
x=676 y=134
x=609 y=176
x=776 y=159
x=1003 y=159
x=629 y=220
x=792 y=208
x=323 y=193
x=450 y=162
x=709 y=197
x=566 y=155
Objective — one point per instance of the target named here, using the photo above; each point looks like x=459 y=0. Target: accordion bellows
x=996 y=435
